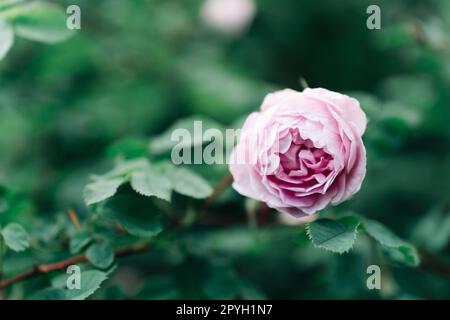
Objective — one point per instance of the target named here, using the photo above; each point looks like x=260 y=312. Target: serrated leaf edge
x=308 y=233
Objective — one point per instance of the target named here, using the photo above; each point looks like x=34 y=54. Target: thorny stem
x=46 y=268
x=429 y=262
x=135 y=248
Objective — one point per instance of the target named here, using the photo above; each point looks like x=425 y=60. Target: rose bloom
x=302 y=152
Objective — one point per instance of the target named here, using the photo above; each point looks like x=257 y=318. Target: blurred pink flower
x=306 y=151
x=228 y=16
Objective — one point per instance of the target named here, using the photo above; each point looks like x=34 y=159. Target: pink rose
x=303 y=151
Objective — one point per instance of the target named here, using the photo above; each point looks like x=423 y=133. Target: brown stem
x=434 y=264
x=74 y=218
x=218 y=190
x=46 y=268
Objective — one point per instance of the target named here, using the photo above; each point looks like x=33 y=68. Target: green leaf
x=90 y=282
x=137 y=214
x=15 y=237
x=6 y=38
x=79 y=240
x=396 y=248
x=47 y=231
x=151 y=183
x=382 y=234
x=143 y=179
x=101 y=190
x=188 y=183
x=406 y=254
x=101 y=255
x=334 y=235
x=124 y=168
x=39 y=21
x=139 y=227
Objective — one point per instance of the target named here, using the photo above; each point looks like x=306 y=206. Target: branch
x=74 y=218
x=218 y=190
x=434 y=264
x=46 y=268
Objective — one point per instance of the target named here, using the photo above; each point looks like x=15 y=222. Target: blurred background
x=67 y=110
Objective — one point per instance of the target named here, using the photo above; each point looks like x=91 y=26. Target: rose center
x=303 y=159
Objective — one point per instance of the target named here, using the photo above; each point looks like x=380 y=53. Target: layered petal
x=304 y=151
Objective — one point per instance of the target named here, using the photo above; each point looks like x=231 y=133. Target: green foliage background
x=99 y=103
